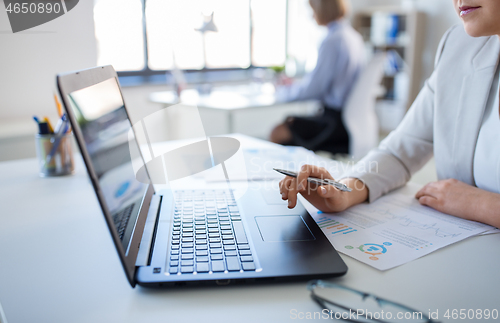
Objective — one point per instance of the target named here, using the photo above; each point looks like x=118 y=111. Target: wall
x=30 y=60
x=440 y=15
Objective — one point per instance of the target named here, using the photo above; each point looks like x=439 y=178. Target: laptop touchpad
x=283 y=228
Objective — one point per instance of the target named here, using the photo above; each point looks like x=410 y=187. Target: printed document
x=393 y=230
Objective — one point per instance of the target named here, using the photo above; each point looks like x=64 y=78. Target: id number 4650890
x=33 y=7
x=471 y=314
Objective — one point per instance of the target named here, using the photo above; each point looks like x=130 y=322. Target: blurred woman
x=340 y=59
x=456 y=117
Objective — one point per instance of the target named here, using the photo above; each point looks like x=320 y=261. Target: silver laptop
x=191 y=236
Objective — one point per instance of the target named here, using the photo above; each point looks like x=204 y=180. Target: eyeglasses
x=350 y=305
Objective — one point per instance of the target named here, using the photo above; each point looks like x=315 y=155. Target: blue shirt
x=341 y=57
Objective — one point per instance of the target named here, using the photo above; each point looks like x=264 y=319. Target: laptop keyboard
x=121 y=219
x=208 y=234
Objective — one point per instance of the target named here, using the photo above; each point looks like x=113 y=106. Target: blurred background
x=224 y=56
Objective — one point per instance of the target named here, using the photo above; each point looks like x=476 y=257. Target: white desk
x=237 y=108
x=58 y=264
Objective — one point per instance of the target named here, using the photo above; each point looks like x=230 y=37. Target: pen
x=338 y=185
x=51 y=129
x=60 y=123
x=60 y=131
x=58 y=105
x=43 y=128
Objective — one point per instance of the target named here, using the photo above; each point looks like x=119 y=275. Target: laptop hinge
x=145 y=249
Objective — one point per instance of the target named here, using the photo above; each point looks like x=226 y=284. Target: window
x=150 y=36
x=172 y=36
x=118 y=30
x=269 y=32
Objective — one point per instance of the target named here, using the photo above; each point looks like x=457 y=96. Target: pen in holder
x=55 y=154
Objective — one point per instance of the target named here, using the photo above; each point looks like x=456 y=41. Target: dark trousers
x=325 y=131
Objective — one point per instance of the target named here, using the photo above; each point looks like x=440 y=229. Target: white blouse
x=487 y=154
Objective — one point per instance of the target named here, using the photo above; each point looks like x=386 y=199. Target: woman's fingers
x=430 y=195
x=311 y=171
x=290 y=187
x=281 y=186
x=427 y=190
x=292 y=194
x=428 y=201
x=285 y=186
x=327 y=191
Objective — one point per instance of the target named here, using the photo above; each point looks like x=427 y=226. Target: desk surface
x=58 y=264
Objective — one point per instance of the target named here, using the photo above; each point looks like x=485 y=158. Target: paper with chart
x=393 y=230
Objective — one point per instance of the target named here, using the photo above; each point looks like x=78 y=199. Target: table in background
x=249 y=109
x=58 y=264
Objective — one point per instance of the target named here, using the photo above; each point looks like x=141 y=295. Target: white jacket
x=444 y=120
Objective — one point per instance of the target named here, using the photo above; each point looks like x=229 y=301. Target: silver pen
x=338 y=185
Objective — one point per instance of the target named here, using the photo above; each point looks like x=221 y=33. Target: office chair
x=359 y=115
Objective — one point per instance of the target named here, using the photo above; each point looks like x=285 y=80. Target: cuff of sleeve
x=374 y=190
x=380 y=172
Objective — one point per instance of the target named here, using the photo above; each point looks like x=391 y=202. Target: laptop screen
x=114 y=153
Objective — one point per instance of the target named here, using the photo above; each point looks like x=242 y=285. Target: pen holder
x=61 y=161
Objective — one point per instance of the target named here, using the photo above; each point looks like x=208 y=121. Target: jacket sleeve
x=406 y=149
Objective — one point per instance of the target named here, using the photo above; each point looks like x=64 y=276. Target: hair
x=328 y=10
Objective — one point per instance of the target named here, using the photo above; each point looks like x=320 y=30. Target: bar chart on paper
x=393 y=230
x=331 y=226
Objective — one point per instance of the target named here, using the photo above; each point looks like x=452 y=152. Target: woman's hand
x=326 y=198
x=457 y=198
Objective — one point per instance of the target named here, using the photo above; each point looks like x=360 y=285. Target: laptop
x=194 y=236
